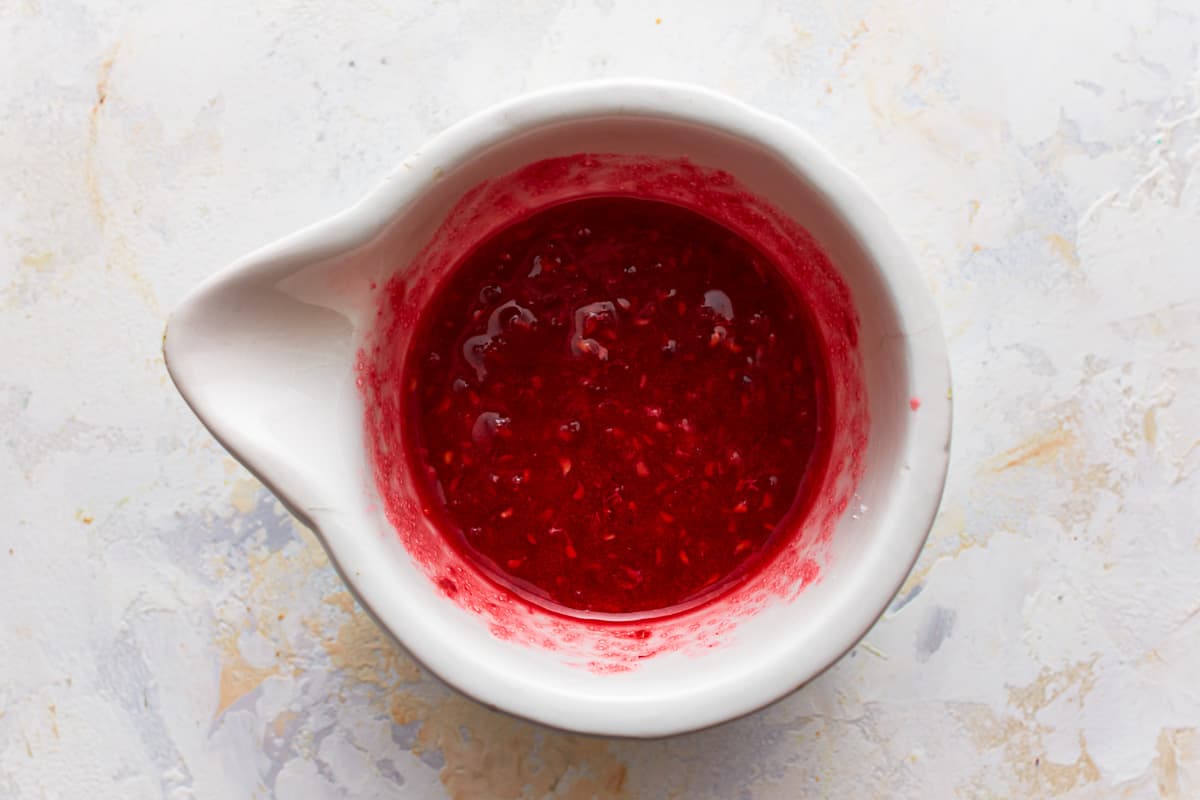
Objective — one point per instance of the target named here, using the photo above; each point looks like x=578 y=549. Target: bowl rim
x=926 y=455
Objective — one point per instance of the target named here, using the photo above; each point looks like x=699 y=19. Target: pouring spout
x=264 y=354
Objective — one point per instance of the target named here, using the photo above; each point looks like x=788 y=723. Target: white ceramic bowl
x=265 y=353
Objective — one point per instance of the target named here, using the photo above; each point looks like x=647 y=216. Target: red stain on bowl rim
x=612 y=643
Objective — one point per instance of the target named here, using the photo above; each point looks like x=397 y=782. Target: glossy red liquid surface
x=618 y=407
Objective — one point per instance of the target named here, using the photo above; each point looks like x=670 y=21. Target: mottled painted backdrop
x=168 y=631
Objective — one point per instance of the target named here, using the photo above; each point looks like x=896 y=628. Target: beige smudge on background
x=1037 y=450
x=491 y=755
x=1064 y=249
x=274 y=579
x=1020 y=736
x=118 y=252
x=1050 y=685
x=1176 y=746
x=853 y=40
x=244 y=494
x=32 y=265
x=364 y=653
x=91 y=165
x=38 y=261
x=282 y=720
x=1150 y=425
x=238 y=677
x=280 y=586
x=486 y=754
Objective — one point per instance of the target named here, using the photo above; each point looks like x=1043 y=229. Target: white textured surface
x=166 y=631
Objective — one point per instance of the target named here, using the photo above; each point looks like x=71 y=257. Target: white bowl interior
x=265 y=353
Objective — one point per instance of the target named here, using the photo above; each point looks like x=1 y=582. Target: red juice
x=618 y=406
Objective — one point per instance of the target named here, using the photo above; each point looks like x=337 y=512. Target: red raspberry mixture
x=617 y=403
